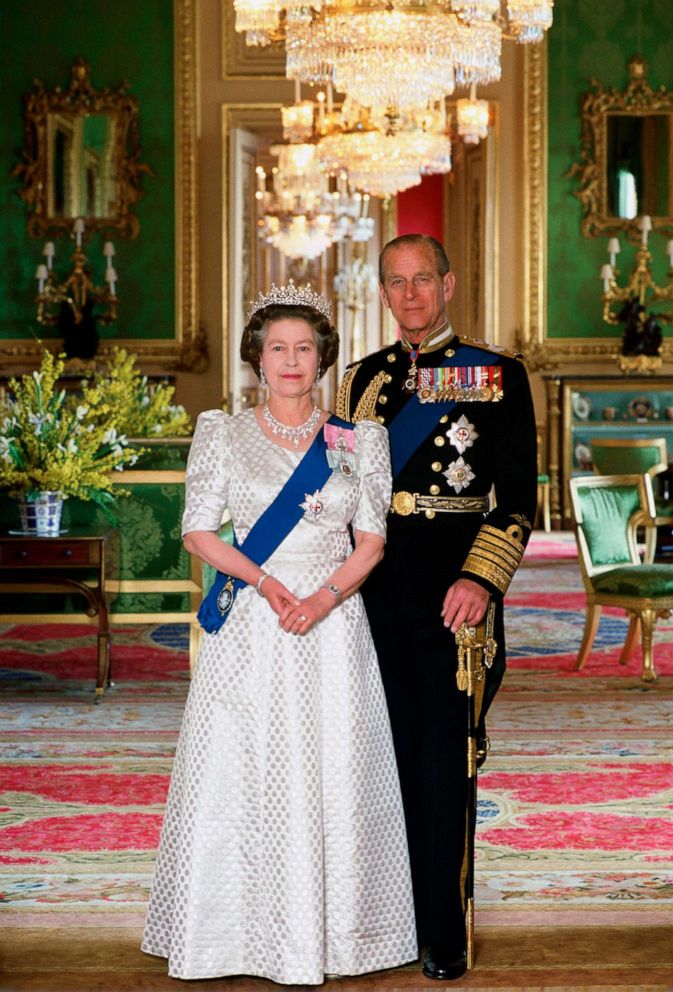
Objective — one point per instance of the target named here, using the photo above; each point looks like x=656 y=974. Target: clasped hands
x=296 y=616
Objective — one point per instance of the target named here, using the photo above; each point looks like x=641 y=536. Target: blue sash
x=271 y=529
x=417 y=420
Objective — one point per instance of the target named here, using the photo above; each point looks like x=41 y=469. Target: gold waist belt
x=405 y=504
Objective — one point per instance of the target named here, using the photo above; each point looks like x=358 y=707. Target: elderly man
x=462 y=434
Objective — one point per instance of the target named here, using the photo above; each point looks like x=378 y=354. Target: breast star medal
x=314 y=504
x=459 y=474
x=462 y=434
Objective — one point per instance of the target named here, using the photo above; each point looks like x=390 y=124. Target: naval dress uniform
x=462 y=506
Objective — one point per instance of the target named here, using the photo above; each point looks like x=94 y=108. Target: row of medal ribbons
x=476 y=383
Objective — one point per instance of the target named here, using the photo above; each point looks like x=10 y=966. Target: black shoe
x=442 y=964
x=483 y=747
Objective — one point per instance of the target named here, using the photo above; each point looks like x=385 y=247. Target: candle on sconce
x=49 y=251
x=645 y=227
x=613 y=250
x=78 y=229
x=41 y=274
x=330 y=104
x=111 y=278
x=669 y=252
x=365 y=204
x=606 y=276
x=109 y=249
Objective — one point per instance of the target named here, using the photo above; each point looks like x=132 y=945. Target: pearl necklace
x=294 y=434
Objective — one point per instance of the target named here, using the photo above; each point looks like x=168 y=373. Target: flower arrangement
x=141 y=409
x=49 y=443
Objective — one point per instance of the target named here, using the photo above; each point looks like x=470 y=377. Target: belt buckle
x=404 y=504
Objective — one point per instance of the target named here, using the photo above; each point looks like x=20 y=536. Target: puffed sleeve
x=373 y=451
x=207 y=480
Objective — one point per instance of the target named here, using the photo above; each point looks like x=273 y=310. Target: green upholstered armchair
x=615 y=456
x=606 y=510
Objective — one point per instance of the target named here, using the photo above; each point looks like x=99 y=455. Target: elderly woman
x=283 y=852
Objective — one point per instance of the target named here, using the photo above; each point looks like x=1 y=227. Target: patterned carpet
x=576 y=799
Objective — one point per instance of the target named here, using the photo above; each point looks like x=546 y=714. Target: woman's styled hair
x=254 y=335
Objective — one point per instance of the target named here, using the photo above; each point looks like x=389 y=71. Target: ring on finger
x=303 y=618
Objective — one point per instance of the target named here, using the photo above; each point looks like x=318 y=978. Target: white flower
x=145 y=401
x=69 y=448
x=37 y=376
x=81 y=411
x=156 y=428
x=39 y=420
x=110 y=435
x=4 y=450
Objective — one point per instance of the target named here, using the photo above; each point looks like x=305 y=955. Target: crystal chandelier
x=395 y=54
x=384 y=155
x=472 y=118
x=307 y=211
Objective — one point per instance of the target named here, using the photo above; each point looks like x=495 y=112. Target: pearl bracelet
x=258 y=584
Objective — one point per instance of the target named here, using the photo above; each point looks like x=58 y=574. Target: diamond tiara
x=291 y=295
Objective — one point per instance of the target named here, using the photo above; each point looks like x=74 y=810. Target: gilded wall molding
x=535 y=196
x=240 y=60
x=187 y=350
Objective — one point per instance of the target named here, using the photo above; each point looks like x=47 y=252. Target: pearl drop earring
x=262 y=377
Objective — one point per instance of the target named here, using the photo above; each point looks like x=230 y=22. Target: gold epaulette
x=488 y=346
x=366 y=408
x=343 y=399
x=495 y=555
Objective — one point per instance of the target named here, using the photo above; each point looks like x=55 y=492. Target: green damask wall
x=125 y=40
x=592 y=39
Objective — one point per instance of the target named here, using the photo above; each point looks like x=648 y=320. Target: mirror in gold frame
x=81 y=157
x=627 y=157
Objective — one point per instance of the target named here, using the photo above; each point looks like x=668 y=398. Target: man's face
x=414 y=290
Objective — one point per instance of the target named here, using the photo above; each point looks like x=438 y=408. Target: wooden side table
x=31 y=564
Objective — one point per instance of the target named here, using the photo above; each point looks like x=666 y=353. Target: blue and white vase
x=40 y=513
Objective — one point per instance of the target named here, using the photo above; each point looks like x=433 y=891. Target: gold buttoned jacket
x=473 y=479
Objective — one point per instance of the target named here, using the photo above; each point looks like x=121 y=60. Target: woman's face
x=290 y=357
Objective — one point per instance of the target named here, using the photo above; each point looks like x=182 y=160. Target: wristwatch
x=334 y=589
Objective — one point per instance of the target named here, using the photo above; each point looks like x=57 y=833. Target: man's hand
x=465 y=602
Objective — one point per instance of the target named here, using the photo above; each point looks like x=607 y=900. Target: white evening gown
x=283 y=852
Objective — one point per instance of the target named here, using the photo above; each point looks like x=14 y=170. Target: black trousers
x=428 y=714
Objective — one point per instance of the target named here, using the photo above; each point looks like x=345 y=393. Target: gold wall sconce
x=78 y=289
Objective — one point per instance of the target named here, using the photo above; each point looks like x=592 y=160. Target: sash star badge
x=314 y=505
x=462 y=434
x=459 y=474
